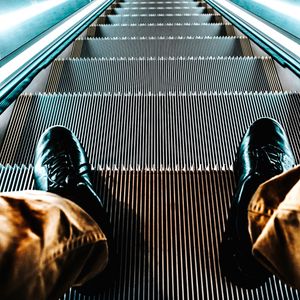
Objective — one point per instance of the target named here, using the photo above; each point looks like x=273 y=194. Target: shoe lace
x=61 y=170
x=270 y=157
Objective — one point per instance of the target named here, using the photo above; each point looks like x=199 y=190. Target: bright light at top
x=283 y=7
x=12 y=19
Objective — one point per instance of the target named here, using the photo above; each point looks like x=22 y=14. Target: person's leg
x=61 y=167
x=274 y=226
x=264 y=152
x=46 y=242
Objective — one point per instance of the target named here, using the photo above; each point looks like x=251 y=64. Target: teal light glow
x=17 y=17
x=290 y=9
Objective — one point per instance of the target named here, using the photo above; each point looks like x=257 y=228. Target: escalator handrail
x=281 y=47
x=17 y=73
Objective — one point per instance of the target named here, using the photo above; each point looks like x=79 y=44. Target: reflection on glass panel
x=23 y=20
x=281 y=13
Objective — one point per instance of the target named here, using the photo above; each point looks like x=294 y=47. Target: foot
x=61 y=167
x=263 y=153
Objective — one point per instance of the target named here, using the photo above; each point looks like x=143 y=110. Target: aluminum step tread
x=144 y=30
x=159 y=10
x=162 y=47
x=190 y=4
x=163 y=75
x=159 y=19
x=136 y=131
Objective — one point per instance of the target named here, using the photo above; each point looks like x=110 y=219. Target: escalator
x=159 y=94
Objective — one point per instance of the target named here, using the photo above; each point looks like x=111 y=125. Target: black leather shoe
x=61 y=167
x=263 y=153
x=60 y=162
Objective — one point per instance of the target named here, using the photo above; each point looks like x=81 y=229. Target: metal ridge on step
x=161 y=15
x=157 y=74
x=156 y=47
x=160 y=2
x=157 y=7
x=160 y=19
x=143 y=30
x=142 y=131
x=162 y=8
x=163 y=38
x=114 y=168
x=160 y=25
x=191 y=58
x=153 y=6
x=204 y=93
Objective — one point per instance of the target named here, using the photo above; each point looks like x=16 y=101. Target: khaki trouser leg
x=274 y=225
x=47 y=244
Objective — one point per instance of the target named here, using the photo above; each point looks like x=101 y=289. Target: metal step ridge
x=149 y=131
x=160 y=15
x=157 y=8
x=190 y=5
x=158 y=25
x=120 y=9
x=95 y=168
x=143 y=30
x=161 y=74
x=157 y=47
x=171 y=58
x=164 y=19
x=160 y=19
x=132 y=38
x=160 y=2
x=20 y=177
x=167 y=227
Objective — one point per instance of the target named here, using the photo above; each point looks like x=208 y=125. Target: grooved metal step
x=168 y=227
x=159 y=10
x=168 y=131
x=160 y=3
x=164 y=19
x=163 y=75
x=216 y=46
x=160 y=30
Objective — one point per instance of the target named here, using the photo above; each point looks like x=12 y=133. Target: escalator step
x=168 y=227
x=170 y=19
x=159 y=10
x=190 y=4
x=163 y=75
x=160 y=30
x=149 y=131
x=216 y=46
